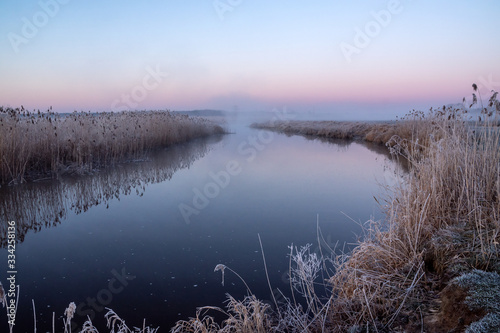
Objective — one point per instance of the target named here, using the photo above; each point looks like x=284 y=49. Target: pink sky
x=256 y=56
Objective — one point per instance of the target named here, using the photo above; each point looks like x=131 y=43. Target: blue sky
x=365 y=59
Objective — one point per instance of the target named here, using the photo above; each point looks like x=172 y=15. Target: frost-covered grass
x=483 y=289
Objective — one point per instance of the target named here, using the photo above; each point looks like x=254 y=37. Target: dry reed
x=248 y=316
x=40 y=143
x=415 y=126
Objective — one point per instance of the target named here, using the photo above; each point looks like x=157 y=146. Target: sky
x=351 y=59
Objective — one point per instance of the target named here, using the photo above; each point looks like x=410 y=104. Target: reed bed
x=37 y=144
x=416 y=125
x=442 y=222
x=379 y=132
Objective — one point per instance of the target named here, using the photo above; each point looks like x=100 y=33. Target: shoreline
x=449 y=274
x=377 y=132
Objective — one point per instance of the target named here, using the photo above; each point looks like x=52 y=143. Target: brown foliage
x=34 y=143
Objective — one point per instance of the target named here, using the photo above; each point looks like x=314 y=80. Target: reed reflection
x=35 y=206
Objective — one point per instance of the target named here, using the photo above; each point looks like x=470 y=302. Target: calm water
x=145 y=237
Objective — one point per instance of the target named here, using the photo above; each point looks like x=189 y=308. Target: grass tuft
x=248 y=316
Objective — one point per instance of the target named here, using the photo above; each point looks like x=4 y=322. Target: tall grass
x=37 y=143
x=443 y=221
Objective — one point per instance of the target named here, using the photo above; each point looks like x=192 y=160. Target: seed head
x=220 y=267
x=70 y=311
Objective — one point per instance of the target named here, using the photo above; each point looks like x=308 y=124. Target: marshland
x=408 y=243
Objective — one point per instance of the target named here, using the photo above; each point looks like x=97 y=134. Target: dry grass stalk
x=3 y=297
x=114 y=322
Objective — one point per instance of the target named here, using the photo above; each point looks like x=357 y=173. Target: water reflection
x=35 y=206
x=344 y=144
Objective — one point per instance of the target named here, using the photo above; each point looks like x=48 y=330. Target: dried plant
x=443 y=220
x=304 y=275
x=221 y=267
x=88 y=327
x=117 y=324
x=247 y=316
x=69 y=313
x=37 y=207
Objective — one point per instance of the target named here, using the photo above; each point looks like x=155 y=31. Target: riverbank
x=378 y=132
x=432 y=265
x=413 y=127
x=43 y=144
